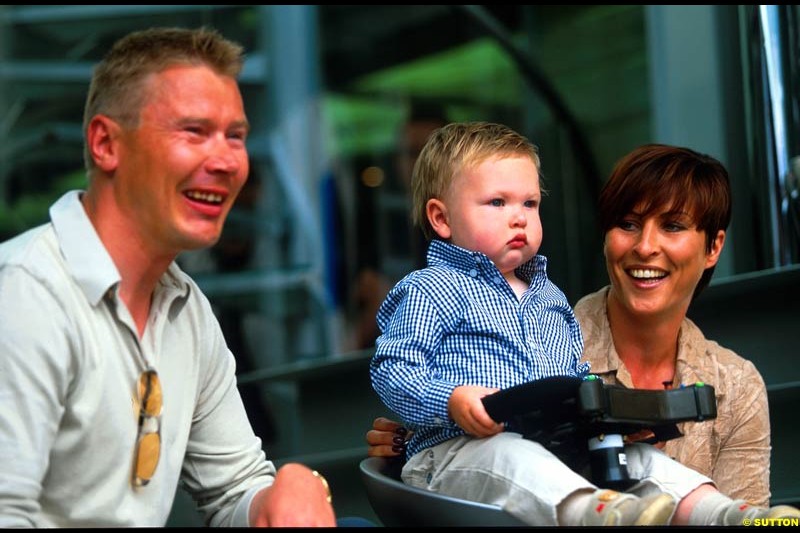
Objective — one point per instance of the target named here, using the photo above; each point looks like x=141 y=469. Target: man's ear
x=436 y=210
x=102 y=134
x=716 y=249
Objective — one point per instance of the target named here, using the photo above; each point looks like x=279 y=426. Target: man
x=115 y=380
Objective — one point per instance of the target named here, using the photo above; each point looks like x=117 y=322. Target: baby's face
x=493 y=208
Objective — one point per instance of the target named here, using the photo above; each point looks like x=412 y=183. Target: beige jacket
x=734 y=448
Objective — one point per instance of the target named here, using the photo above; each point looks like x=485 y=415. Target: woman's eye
x=674 y=226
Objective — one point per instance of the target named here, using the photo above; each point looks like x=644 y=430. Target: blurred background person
x=372 y=282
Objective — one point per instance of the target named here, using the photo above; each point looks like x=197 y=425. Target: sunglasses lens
x=147 y=457
x=148 y=443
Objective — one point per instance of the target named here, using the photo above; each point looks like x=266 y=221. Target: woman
x=664 y=213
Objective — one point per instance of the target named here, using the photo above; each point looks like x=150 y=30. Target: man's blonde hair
x=454 y=148
x=116 y=88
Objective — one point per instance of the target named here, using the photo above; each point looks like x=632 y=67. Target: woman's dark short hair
x=657 y=176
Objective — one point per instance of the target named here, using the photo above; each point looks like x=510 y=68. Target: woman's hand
x=387 y=438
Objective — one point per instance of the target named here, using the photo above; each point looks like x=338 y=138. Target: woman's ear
x=716 y=249
x=436 y=210
x=101 y=139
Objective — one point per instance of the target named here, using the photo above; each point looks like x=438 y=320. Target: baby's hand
x=466 y=408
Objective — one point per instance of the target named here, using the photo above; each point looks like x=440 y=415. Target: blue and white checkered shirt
x=459 y=322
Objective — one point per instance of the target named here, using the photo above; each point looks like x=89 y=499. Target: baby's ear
x=436 y=210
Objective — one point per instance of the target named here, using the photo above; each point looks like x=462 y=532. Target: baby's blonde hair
x=456 y=147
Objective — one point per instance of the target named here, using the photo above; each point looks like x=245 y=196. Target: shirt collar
x=86 y=257
x=593 y=317
x=445 y=253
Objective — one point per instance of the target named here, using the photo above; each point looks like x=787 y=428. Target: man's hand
x=297 y=498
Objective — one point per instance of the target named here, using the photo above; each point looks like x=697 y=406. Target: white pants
x=528 y=481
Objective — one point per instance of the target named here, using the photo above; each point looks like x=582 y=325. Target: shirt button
x=473 y=273
x=498 y=280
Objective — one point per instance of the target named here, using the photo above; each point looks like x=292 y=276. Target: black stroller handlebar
x=565 y=413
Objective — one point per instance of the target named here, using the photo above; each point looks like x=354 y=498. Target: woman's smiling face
x=655 y=262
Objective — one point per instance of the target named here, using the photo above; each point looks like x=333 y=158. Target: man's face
x=180 y=170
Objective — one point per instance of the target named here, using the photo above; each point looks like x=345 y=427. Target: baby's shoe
x=741 y=513
x=612 y=508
